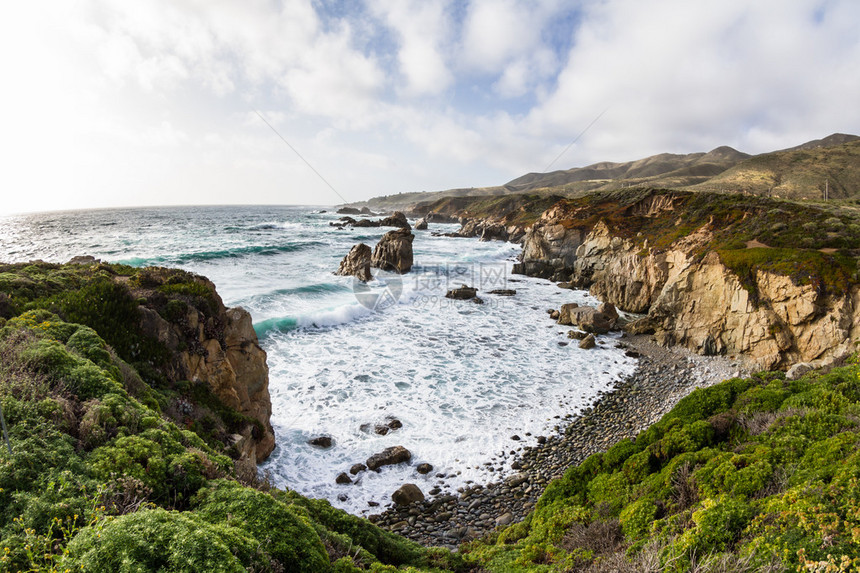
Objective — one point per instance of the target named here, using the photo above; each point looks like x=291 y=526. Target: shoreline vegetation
x=693 y=463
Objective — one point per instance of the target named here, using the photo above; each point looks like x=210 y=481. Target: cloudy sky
x=109 y=102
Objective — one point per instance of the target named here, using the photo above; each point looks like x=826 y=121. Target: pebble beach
x=662 y=378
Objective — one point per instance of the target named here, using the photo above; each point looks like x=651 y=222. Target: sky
x=176 y=102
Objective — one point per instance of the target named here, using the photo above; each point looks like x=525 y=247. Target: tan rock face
x=698 y=302
x=233 y=366
x=393 y=252
x=356 y=263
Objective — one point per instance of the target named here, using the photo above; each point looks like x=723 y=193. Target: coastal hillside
x=754 y=474
x=802 y=172
x=137 y=407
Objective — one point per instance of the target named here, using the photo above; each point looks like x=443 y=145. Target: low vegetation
x=757 y=474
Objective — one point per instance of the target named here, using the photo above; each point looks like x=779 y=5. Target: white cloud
x=152 y=102
x=422 y=28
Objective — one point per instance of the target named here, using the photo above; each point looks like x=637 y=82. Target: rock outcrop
x=421 y=225
x=394 y=251
x=221 y=350
x=357 y=263
x=690 y=296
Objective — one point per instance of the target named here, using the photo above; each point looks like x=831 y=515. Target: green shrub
x=287 y=538
x=637 y=517
x=159 y=540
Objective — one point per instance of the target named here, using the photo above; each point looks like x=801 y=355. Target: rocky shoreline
x=662 y=378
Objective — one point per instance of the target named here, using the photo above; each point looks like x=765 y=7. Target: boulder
x=388 y=457
x=588 y=342
x=421 y=225
x=609 y=310
x=348 y=211
x=366 y=211
x=462 y=293
x=356 y=263
x=406 y=494
x=644 y=325
x=576 y=334
x=357 y=468
x=504 y=292
x=394 y=251
x=381 y=430
x=398 y=219
x=342 y=478
x=395 y=424
x=587 y=318
x=323 y=442
x=424 y=468
x=85 y=260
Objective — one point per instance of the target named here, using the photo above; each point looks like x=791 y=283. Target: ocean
x=462 y=378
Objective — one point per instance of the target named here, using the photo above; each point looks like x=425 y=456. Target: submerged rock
x=323 y=442
x=588 y=342
x=462 y=293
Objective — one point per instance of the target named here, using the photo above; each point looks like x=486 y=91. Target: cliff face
x=220 y=349
x=689 y=295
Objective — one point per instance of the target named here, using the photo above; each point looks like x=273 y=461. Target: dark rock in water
x=356 y=263
x=541 y=439
x=381 y=430
x=632 y=354
x=588 y=342
x=406 y=494
x=365 y=211
x=462 y=293
x=342 y=478
x=478 y=300
x=576 y=334
x=357 y=468
x=554 y=315
x=398 y=219
x=394 y=251
x=373 y=503
x=349 y=211
x=421 y=225
x=566 y=285
x=395 y=424
x=424 y=468
x=388 y=457
x=504 y=292
x=324 y=442
x=516 y=438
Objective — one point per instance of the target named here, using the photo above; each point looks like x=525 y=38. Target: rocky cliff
x=218 y=347
x=661 y=255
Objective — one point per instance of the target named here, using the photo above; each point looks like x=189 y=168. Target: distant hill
x=683 y=170
x=801 y=172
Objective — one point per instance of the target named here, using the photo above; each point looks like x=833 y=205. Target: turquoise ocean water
x=461 y=377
